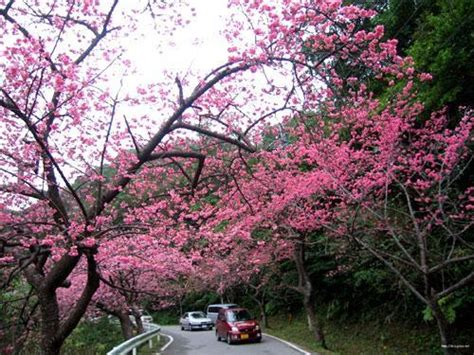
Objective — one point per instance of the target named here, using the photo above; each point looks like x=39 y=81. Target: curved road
x=203 y=342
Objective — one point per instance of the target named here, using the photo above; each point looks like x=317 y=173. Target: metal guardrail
x=131 y=345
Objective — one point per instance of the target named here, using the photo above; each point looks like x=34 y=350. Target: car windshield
x=237 y=316
x=197 y=315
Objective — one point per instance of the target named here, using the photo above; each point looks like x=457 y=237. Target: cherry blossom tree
x=375 y=174
x=60 y=127
x=87 y=157
x=398 y=188
x=418 y=222
x=352 y=165
x=134 y=276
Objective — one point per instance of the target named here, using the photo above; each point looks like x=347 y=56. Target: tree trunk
x=180 y=306
x=305 y=287
x=313 y=322
x=263 y=314
x=123 y=316
x=443 y=328
x=54 y=331
x=139 y=323
x=49 y=311
x=125 y=324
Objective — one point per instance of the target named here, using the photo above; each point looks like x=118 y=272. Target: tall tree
x=60 y=121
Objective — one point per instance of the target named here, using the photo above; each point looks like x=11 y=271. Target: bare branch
x=180 y=91
x=104 y=150
x=100 y=36
x=176 y=154
x=461 y=283
x=449 y=262
x=393 y=269
x=212 y=134
x=75 y=314
x=135 y=144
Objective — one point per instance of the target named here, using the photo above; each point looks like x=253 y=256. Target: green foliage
x=16 y=303
x=360 y=283
x=360 y=337
x=264 y=234
x=444 y=46
x=211 y=199
x=93 y=337
x=167 y=317
x=305 y=167
x=200 y=301
x=401 y=18
x=427 y=314
x=221 y=226
x=439 y=35
x=449 y=305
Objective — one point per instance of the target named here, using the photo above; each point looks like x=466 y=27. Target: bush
x=96 y=337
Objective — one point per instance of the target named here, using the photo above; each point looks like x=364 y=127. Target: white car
x=195 y=320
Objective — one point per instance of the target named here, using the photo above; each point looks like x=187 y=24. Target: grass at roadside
x=358 y=338
x=102 y=336
x=93 y=338
x=145 y=349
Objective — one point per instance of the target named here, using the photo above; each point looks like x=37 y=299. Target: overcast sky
x=197 y=45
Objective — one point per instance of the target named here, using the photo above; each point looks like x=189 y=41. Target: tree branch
x=212 y=134
x=99 y=37
x=80 y=307
x=461 y=283
x=148 y=149
x=175 y=154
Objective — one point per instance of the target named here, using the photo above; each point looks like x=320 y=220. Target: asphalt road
x=203 y=342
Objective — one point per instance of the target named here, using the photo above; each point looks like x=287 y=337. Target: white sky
x=197 y=45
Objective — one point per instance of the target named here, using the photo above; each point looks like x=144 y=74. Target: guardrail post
x=131 y=345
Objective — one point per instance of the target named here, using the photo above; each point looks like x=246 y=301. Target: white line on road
x=168 y=343
x=291 y=345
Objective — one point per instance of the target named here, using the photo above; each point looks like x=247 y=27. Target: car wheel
x=229 y=341
x=182 y=328
x=217 y=336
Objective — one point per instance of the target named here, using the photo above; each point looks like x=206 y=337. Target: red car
x=236 y=325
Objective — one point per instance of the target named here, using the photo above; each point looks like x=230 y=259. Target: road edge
x=164 y=347
x=291 y=345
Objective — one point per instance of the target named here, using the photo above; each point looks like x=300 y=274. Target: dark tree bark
x=53 y=332
x=263 y=313
x=444 y=328
x=138 y=320
x=305 y=287
x=260 y=300
x=126 y=325
x=49 y=322
x=123 y=316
